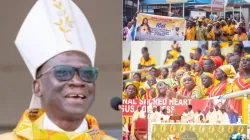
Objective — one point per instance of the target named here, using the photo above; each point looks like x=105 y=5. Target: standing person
x=191 y=31
x=190 y=114
x=225 y=30
x=127 y=32
x=217 y=31
x=200 y=31
x=231 y=28
x=62 y=66
x=210 y=33
x=240 y=36
x=224 y=117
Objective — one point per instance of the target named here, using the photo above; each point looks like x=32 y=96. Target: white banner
x=217 y=4
x=176 y=1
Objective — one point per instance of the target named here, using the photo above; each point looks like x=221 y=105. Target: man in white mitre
x=58 y=46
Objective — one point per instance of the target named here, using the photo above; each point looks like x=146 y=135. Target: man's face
x=236 y=48
x=235 y=62
x=197 y=55
x=151 y=81
x=216 y=108
x=139 y=108
x=136 y=77
x=164 y=73
x=197 y=67
x=245 y=64
x=219 y=74
x=208 y=66
x=153 y=72
x=181 y=61
x=206 y=81
x=158 y=108
x=199 y=23
x=58 y=97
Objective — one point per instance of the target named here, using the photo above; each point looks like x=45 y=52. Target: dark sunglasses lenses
x=88 y=74
x=66 y=73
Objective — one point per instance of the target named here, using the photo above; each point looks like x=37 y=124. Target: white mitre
x=53 y=27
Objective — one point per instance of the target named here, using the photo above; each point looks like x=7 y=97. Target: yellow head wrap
x=192 y=50
x=208 y=74
x=188 y=74
x=154 y=87
x=126 y=63
x=247 y=56
x=179 y=71
x=200 y=19
x=174 y=54
x=143 y=87
x=229 y=70
x=136 y=84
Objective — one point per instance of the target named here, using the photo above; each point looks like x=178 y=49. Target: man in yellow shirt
x=191 y=31
x=225 y=30
x=200 y=31
x=146 y=61
x=240 y=36
x=64 y=76
x=210 y=33
x=231 y=28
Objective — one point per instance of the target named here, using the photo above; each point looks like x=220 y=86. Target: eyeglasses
x=66 y=73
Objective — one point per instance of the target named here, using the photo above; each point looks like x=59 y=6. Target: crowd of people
x=215 y=115
x=203 y=28
x=213 y=70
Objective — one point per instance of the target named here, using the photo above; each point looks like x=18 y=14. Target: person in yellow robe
x=223 y=73
x=190 y=90
x=240 y=36
x=232 y=29
x=191 y=31
x=131 y=91
x=243 y=82
x=172 y=55
x=191 y=55
x=225 y=30
x=198 y=70
x=63 y=75
x=137 y=78
x=126 y=67
x=146 y=60
x=210 y=32
x=207 y=82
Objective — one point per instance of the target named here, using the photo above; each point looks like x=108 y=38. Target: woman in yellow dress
x=210 y=33
x=207 y=83
x=172 y=55
x=240 y=36
x=217 y=31
x=223 y=73
x=131 y=91
x=191 y=31
x=225 y=30
x=198 y=72
x=190 y=90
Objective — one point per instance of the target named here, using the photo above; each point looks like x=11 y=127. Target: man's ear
x=36 y=88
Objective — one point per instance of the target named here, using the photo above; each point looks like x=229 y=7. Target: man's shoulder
x=8 y=136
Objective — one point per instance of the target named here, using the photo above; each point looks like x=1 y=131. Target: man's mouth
x=76 y=96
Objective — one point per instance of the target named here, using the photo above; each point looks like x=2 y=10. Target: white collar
x=48 y=124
